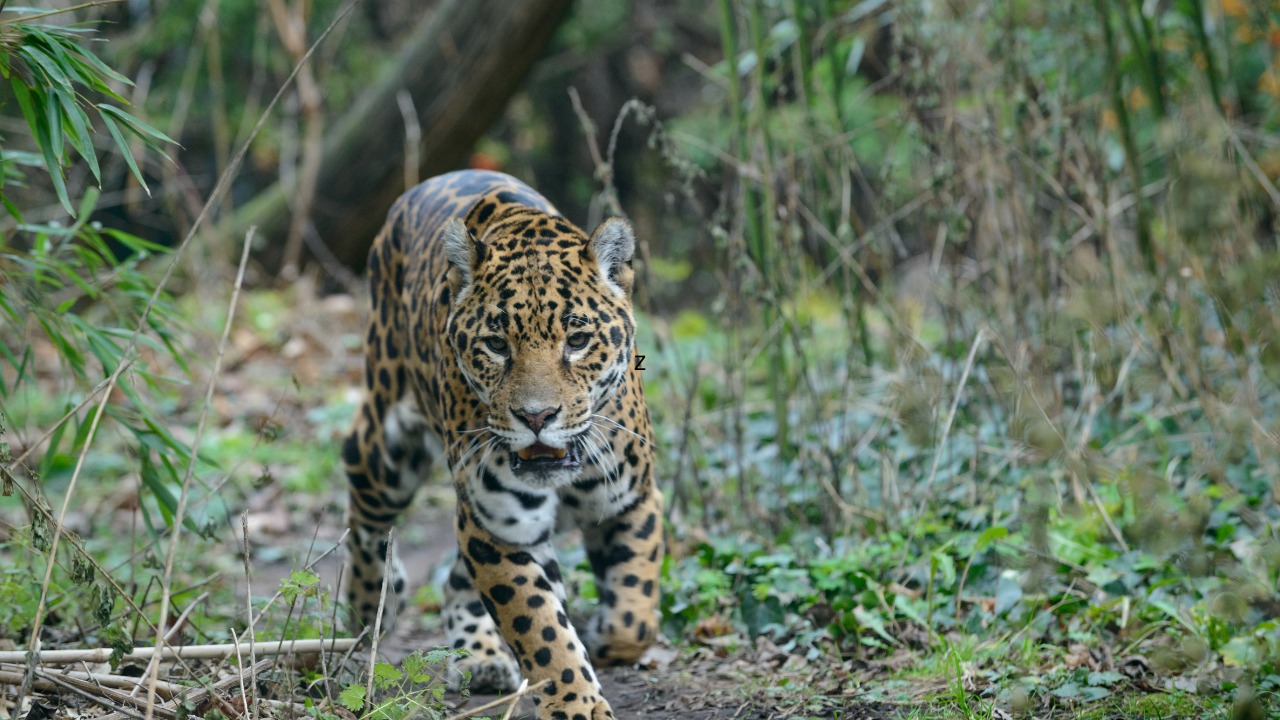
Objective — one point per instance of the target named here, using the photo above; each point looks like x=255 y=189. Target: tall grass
x=1081 y=194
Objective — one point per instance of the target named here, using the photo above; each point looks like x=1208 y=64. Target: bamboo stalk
x=801 y=54
x=769 y=242
x=189 y=652
x=168 y=690
x=729 y=43
x=1148 y=58
x=833 y=61
x=1210 y=63
x=1132 y=159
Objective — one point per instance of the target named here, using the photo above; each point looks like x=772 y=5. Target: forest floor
x=285 y=399
x=689 y=682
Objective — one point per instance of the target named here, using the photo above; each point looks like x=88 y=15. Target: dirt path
x=699 y=692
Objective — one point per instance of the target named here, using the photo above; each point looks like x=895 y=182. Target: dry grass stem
x=512 y=699
x=377 y=621
x=180 y=514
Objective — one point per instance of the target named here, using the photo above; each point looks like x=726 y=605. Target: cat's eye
x=497 y=344
x=578 y=340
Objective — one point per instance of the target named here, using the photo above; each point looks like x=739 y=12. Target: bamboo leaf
x=80 y=135
x=26 y=103
x=55 y=172
x=53 y=123
x=124 y=149
x=137 y=126
x=47 y=64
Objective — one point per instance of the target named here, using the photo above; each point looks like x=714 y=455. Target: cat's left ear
x=613 y=245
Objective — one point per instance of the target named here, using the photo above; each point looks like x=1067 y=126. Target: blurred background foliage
x=960 y=317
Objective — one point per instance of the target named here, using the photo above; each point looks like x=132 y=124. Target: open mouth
x=544 y=457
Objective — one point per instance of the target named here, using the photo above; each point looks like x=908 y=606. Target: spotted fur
x=497 y=326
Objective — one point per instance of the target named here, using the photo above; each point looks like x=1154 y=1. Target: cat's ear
x=613 y=245
x=465 y=254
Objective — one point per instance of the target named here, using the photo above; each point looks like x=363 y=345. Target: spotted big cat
x=501 y=343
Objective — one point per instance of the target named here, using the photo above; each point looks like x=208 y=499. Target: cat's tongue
x=538 y=450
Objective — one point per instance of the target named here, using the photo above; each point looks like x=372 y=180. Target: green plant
x=418 y=686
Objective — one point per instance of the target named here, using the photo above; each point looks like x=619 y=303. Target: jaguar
x=501 y=343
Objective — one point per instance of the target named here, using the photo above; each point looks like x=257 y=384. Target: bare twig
x=180 y=513
x=942 y=443
x=168 y=690
x=511 y=706
x=58 y=12
x=377 y=621
x=244 y=696
x=512 y=698
x=90 y=696
x=351 y=650
x=280 y=594
x=1252 y=164
x=248 y=594
x=177 y=624
x=324 y=665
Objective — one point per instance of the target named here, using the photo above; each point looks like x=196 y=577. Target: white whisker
x=604 y=439
x=474 y=448
x=618 y=425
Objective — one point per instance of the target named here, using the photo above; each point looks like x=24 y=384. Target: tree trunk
x=460 y=66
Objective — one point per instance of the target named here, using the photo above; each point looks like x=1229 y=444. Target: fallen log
x=460 y=67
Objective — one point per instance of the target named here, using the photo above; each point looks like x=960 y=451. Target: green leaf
x=384 y=675
x=299 y=582
x=1239 y=652
x=352 y=698
x=55 y=171
x=124 y=150
x=27 y=104
x=80 y=137
x=104 y=69
x=989 y=536
x=53 y=122
x=142 y=129
x=1067 y=690
x=947 y=566
x=13 y=209
x=464 y=687
x=102 y=602
x=873 y=622
x=50 y=66
x=415 y=667
x=168 y=503
x=119 y=642
x=54 y=441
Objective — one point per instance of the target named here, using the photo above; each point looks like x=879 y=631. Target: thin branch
x=942 y=443
x=180 y=513
x=377 y=620
x=56 y=12
x=501 y=701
